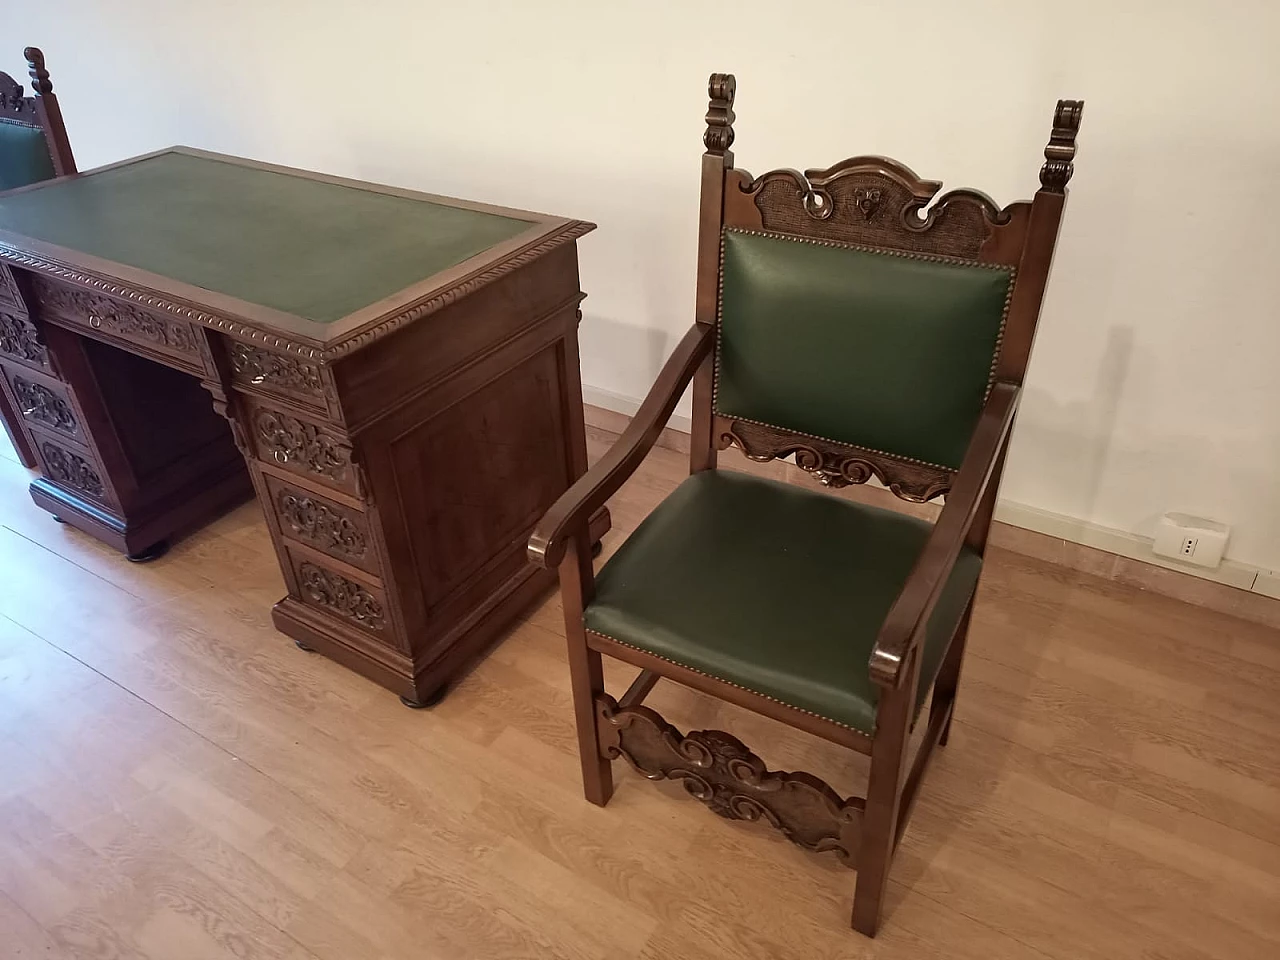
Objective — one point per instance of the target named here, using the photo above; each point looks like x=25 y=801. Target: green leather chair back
x=890 y=352
x=24 y=155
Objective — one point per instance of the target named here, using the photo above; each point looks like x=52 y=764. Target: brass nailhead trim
x=763 y=696
x=906 y=255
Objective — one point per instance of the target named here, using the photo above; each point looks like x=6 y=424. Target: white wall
x=1154 y=385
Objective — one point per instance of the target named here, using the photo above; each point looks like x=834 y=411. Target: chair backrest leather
x=24 y=155
x=887 y=351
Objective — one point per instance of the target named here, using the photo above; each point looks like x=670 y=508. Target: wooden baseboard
x=1237 y=590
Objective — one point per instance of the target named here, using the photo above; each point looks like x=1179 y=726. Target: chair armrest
x=570 y=513
x=911 y=611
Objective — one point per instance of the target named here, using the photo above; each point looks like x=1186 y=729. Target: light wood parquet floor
x=178 y=782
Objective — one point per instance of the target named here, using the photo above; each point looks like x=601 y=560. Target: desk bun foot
x=430 y=700
x=153 y=552
x=303 y=647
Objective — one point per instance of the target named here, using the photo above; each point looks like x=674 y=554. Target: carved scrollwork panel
x=20 y=339
x=302 y=446
x=270 y=370
x=733 y=782
x=341 y=596
x=870 y=201
x=71 y=470
x=44 y=406
x=121 y=318
x=328 y=527
x=833 y=464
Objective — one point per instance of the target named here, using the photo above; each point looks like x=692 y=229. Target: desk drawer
x=322 y=524
x=73 y=469
x=353 y=602
x=44 y=402
x=20 y=338
x=302 y=447
x=121 y=322
x=268 y=373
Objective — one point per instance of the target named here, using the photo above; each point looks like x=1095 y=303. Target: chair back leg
x=944 y=688
x=586 y=672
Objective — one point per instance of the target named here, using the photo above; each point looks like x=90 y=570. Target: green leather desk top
x=307 y=247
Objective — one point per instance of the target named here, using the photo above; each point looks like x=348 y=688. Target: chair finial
x=721 y=88
x=1061 y=149
x=40 y=83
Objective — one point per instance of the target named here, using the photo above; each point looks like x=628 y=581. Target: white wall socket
x=1189 y=539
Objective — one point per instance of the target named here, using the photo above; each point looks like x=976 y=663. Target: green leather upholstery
x=772 y=587
x=24 y=155
x=880 y=351
x=313 y=249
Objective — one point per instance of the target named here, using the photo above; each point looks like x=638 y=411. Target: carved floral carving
x=20 y=338
x=721 y=89
x=70 y=470
x=120 y=317
x=874 y=202
x=1061 y=149
x=319 y=524
x=265 y=367
x=344 y=597
x=836 y=465
x=733 y=782
x=290 y=440
x=43 y=405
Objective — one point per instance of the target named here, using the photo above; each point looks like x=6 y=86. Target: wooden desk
x=399 y=371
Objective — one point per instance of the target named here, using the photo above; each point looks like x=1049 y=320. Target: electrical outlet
x=1191 y=539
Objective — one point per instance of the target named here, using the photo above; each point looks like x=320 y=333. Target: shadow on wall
x=1066 y=446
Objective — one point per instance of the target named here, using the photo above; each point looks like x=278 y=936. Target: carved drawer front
x=74 y=469
x=353 y=602
x=20 y=338
x=258 y=370
x=44 y=402
x=121 y=321
x=302 y=447
x=323 y=525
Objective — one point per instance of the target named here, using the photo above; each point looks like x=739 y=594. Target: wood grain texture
x=177 y=780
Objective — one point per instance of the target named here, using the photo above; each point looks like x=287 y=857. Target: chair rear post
x=50 y=114
x=716 y=163
x=1041 y=237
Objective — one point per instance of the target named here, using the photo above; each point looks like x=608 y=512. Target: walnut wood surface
x=400 y=467
x=718 y=769
x=878 y=203
x=905 y=623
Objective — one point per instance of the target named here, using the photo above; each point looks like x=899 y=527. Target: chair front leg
x=586 y=672
x=884 y=797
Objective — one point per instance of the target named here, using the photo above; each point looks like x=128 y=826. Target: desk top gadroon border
x=283 y=331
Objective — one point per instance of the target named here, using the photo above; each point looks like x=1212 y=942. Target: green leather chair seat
x=772 y=587
x=24 y=155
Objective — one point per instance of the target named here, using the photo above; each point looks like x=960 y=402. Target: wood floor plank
x=177 y=780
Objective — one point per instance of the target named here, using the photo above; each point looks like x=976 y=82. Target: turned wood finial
x=40 y=83
x=721 y=88
x=1061 y=149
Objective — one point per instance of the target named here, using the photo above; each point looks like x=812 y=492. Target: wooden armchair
x=837 y=324
x=33 y=147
